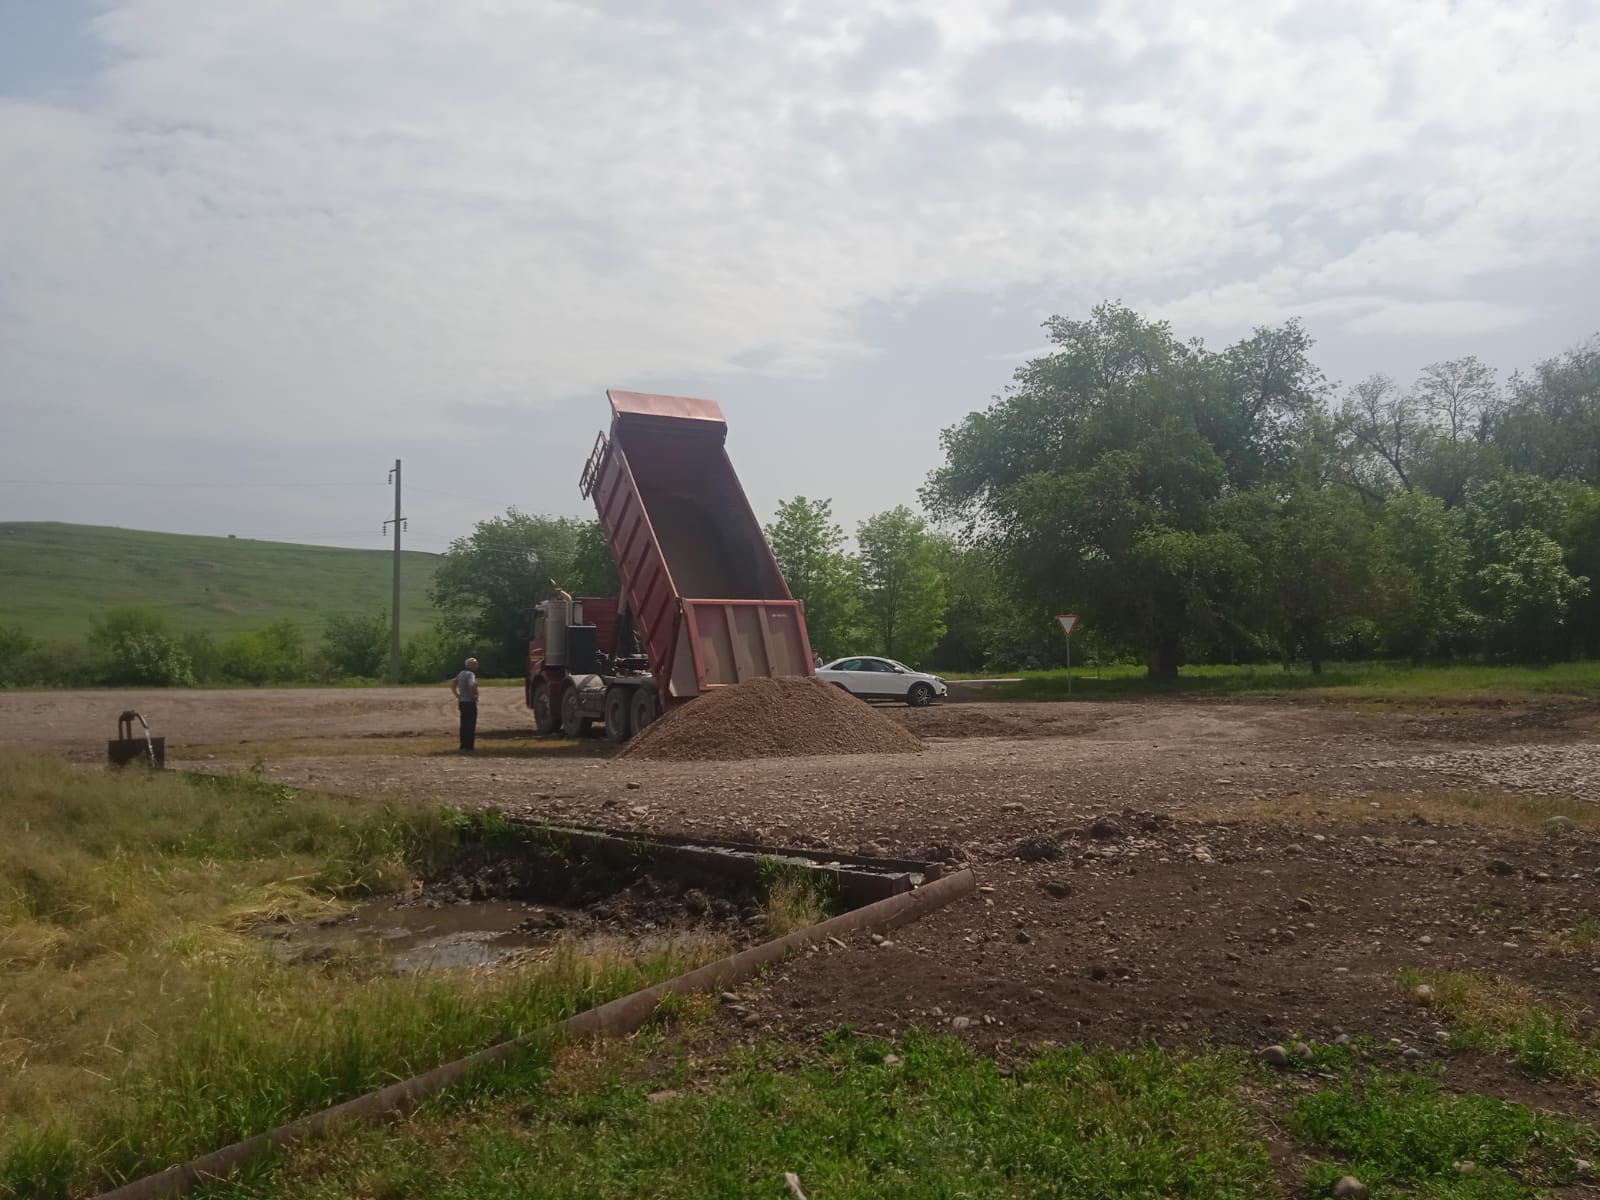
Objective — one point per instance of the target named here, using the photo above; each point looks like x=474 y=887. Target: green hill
x=55 y=579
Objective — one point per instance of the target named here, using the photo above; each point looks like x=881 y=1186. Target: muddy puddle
x=495 y=905
x=427 y=937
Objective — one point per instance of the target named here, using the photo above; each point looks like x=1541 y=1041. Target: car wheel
x=920 y=695
x=619 y=720
x=573 y=723
x=544 y=714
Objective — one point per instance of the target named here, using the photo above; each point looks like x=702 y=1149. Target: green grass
x=142 y=1021
x=795 y=897
x=928 y=1116
x=1405 y=1135
x=55 y=579
x=1377 y=681
x=1501 y=1016
x=942 y=1121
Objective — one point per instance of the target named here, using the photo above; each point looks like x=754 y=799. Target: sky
x=252 y=252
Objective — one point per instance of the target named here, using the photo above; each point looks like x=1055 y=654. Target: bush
x=272 y=655
x=433 y=656
x=16 y=649
x=133 y=648
x=357 y=646
x=147 y=660
x=244 y=658
x=202 y=652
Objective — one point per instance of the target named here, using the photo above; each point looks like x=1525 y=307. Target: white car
x=883 y=679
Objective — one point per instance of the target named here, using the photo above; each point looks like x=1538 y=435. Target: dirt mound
x=788 y=717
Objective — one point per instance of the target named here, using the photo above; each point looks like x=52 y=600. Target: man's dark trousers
x=469 y=724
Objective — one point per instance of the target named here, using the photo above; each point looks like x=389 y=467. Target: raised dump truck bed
x=707 y=598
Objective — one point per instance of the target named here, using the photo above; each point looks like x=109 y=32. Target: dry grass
x=1580 y=941
x=1479 y=809
x=140 y=1020
x=1545 y=1035
x=796 y=897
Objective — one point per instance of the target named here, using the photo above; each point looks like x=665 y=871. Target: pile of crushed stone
x=777 y=717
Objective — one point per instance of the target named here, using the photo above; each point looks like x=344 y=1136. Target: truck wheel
x=573 y=723
x=642 y=709
x=619 y=721
x=544 y=713
x=920 y=695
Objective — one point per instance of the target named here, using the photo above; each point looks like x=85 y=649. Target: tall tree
x=486 y=580
x=1421 y=564
x=1314 y=547
x=1461 y=398
x=1519 y=585
x=902 y=594
x=972 y=600
x=1551 y=425
x=809 y=547
x=1097 y=475
x=1382 y=427
x=593 y=571
x=1580 y=538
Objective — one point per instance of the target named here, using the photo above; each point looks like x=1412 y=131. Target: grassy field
x=668 y=1117
x=142 y=1021
x=1350 y=681
x=55 y=579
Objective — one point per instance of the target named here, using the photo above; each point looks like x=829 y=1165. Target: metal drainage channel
x=890 y=893
x=857 y=880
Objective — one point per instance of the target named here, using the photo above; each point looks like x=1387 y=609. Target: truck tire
x=573 y=723
x=619 y=718
x=920 y=695
x=642 y=708
x=545 y=717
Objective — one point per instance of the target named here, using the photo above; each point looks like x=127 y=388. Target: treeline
x=137 y=647
x=1203 y=506
x=1189 y=505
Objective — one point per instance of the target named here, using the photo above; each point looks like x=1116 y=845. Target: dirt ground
x=1178 y=871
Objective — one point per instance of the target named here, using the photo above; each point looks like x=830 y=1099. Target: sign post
x=1068 y=622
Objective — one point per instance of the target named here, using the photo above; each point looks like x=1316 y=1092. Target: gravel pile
x=786 y=717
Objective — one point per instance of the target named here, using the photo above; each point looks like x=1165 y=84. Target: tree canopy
x=1193 y=503
x=487 y=580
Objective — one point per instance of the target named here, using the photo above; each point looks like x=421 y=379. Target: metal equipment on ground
x=126 y=748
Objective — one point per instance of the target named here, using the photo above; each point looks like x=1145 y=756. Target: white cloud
x=283 y=216
x=1409 y=318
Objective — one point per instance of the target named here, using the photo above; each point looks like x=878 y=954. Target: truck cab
x=585 y=665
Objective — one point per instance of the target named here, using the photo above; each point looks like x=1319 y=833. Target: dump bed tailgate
x=707 y=595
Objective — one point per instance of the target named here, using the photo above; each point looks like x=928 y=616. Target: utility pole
x=394 y=618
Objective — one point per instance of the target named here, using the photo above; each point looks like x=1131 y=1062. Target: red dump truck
x=703 y=604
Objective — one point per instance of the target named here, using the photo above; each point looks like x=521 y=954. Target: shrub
x=272 y=655
x=16 y=648
x=147 y=660
x=357 y=646
x=132 y=647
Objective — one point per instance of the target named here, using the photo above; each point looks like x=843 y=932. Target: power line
x=452 y=495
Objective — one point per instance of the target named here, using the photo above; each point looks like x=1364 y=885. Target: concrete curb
x=622 y=1015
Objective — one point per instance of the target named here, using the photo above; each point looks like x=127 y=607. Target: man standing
x=465 y=689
